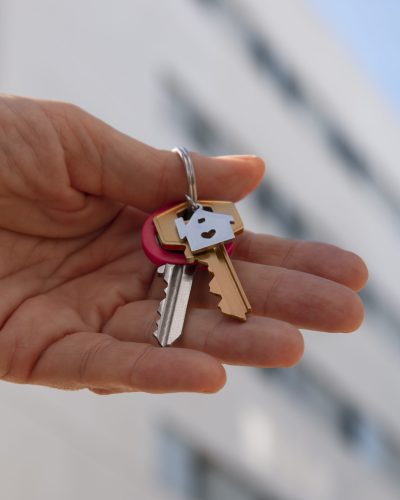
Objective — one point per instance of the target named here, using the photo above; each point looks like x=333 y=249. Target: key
x=201 y=237
x=225 y=282
x=178 y=276
x=172 y=308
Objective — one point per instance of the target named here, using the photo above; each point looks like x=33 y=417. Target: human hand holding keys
x=78 y=299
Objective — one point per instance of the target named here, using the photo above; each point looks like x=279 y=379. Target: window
x=194 y=475
x=206 y=134
x=346 y=152
x=357 y=431
x=286 y=214
x=266 y=58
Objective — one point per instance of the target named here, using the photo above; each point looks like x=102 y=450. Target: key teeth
x=214 y=287
x=216 y=290
x=156 y=333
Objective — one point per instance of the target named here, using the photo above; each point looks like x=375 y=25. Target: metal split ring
x=190 y=175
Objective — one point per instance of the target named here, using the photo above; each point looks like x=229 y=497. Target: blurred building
x=222 y=77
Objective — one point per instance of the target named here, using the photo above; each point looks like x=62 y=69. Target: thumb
x=105 y=162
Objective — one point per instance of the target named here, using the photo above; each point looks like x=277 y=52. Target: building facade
x=226 y=77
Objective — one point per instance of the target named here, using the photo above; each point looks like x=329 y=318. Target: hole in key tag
x=154 y=251
x=208 y=234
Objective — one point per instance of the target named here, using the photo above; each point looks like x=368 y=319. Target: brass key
x=225 y=282
x=202 y=230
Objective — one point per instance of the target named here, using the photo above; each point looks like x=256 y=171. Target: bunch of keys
x=187 y=236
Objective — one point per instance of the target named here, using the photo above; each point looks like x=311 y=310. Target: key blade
x=225 y=282
x=172 y=308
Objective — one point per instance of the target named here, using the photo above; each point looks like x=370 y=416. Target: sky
x=371 y=30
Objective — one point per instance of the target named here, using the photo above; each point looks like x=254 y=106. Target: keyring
x=190 y=175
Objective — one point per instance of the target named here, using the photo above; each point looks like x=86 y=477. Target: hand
x=77 y=306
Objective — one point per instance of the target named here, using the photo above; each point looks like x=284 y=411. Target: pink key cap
x=154 y=250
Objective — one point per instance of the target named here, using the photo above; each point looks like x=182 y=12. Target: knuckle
x=137 y=369
x=88 y=358
x=268 y=298
x=62 y=108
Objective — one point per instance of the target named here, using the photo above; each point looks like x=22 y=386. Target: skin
x=79 y=297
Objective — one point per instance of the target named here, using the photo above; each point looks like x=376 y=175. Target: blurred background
x=313 y=86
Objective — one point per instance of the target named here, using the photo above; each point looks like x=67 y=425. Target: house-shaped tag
x=205 y=229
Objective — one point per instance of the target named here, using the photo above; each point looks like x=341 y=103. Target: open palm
x=78 y=296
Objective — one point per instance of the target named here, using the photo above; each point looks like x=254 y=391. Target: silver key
x=172 y=308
